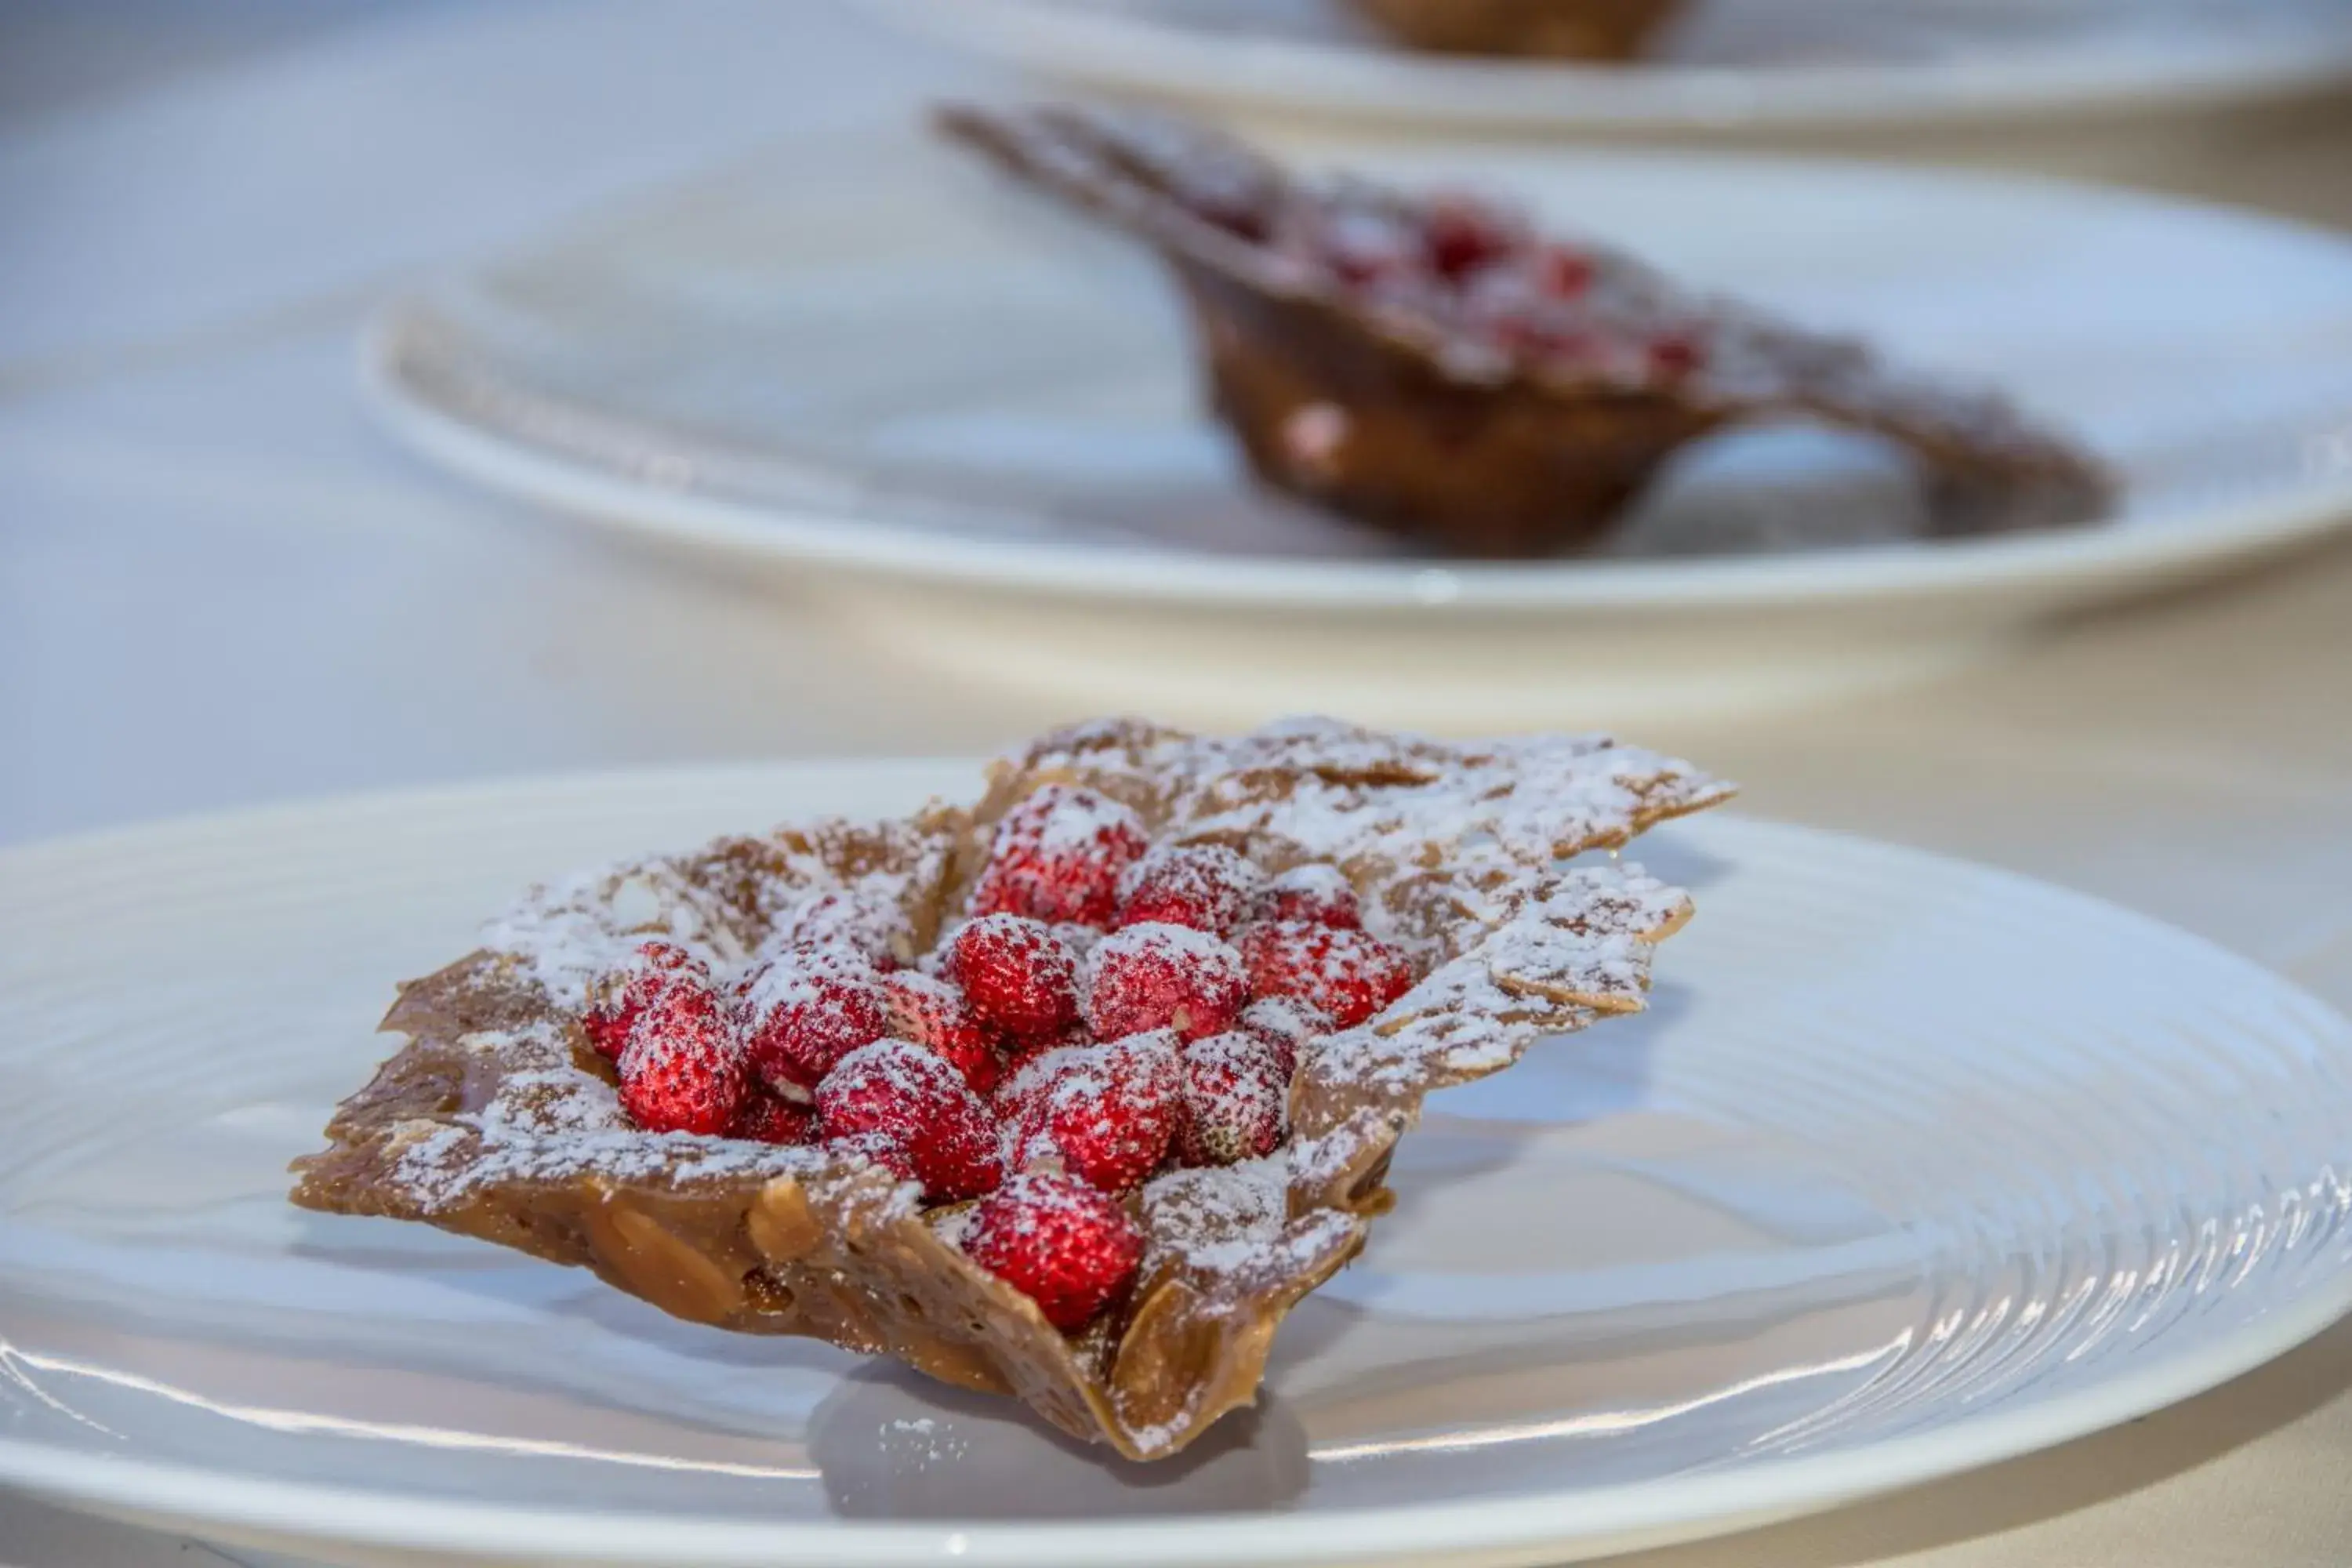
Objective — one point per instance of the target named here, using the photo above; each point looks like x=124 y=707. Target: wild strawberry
x=1017 y=975
x=1157 y=976
x=682 y=1069
x=1676 y=355
x=622 y=994
x=1236 y=1092
x=1057 y=1241
x=764 y=1118
x=1314 y=892
x=801 y=1012
x=1346 y=973
x=1285 y=1023
x=1106 y=1114
x=1461 y=235
x=1058 y=855
x=1026 y=1082
x=1204 y=885
x=934 y=1013
x=909 y=1095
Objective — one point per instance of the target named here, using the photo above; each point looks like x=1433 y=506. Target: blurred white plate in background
x=1911 y=1166
x=1728 y=63
x=976 y=419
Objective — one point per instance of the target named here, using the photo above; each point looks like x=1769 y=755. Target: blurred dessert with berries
x=1548 y=29
x=1436 y=367
x=1070 y=1094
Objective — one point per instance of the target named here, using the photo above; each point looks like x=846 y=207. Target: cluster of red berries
x=1012 y=1069
x=1486 y=271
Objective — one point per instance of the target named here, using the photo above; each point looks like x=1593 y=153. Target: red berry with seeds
x=620 y=995
x=1157 y=976
x=764 y=1118
x=907 y=1095
x=1235 y=1095
x=682 y=1069
x=1317 y=893
x=1058 y=1242
x=1204 y=885
x=1346 y=973
x=1058 y=855
x=801 y=1012
x=1106 y=1115
x=1286 y=1024
x=1017 y=975
x=935 y=1013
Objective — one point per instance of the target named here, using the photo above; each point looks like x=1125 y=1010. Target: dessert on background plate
x=1071 y=1094
x=1554 y=29
x=1435 y=367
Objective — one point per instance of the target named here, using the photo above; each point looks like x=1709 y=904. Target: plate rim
x=1583 y=1522
x=2089 y=565
x=1335 y=79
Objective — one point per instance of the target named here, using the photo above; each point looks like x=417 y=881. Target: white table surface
x=219 y=586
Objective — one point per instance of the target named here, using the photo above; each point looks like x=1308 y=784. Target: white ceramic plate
x=1728 y=64
x=1913 y=1166
x=976 y=420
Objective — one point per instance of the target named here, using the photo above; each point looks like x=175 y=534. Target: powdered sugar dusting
x=566 y=934
x=1519 y=944
x=1231 y=1224
x=866 y=917
x=826 y=879
x=454 y=1160
x=1170 y=943
x=551 y=1100
x=1365 y=801
x=1077 y=819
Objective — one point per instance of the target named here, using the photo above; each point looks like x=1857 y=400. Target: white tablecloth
x=217 y=586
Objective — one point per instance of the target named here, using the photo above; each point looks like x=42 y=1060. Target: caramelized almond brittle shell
x=1390 y=411
x=498 y=1121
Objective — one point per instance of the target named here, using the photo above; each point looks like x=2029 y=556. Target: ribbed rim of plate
x=1610 y=1519
x=1334 y=79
